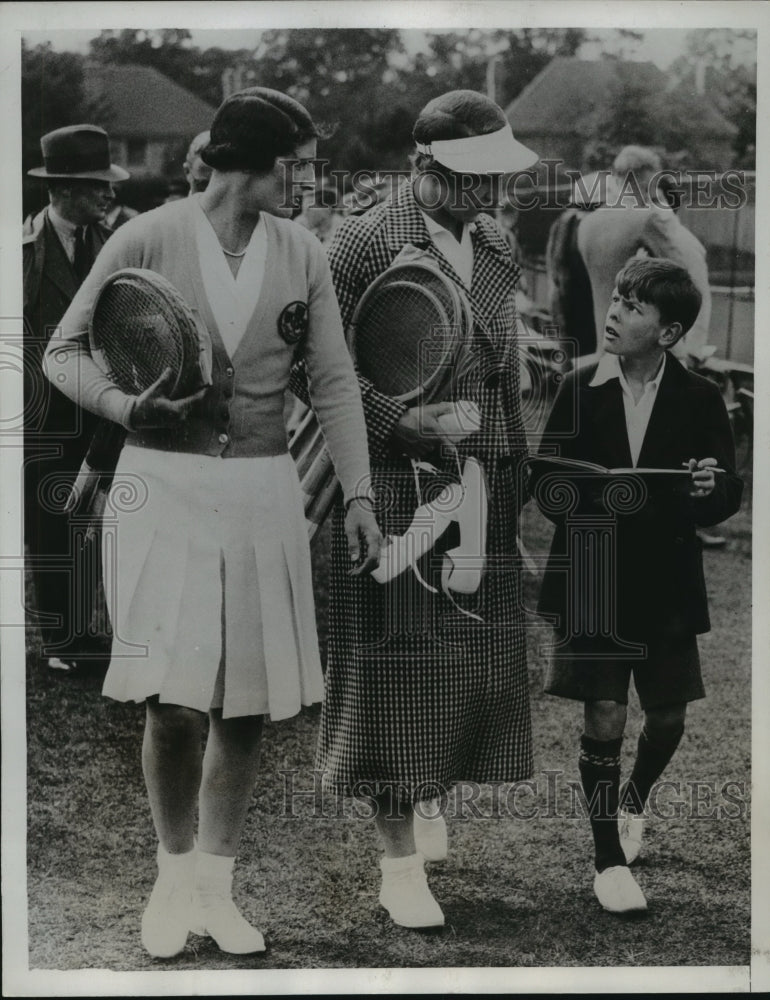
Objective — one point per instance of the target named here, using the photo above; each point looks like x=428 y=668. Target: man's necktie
x=82 y=261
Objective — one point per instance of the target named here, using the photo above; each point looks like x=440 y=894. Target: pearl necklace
x=230 y=253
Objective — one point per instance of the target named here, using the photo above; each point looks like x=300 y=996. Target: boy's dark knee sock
x=600 y=774
x=655 y=750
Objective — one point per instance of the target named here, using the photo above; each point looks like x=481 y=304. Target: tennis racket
x=139 y=326
x=410 y=337
x=410 y=332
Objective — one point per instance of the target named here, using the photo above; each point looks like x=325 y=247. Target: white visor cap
x=493 y=153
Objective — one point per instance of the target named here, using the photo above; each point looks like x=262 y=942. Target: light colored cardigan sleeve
x=68 y=362
x=334 y=391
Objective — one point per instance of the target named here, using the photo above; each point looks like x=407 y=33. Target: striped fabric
x=418 y=695
x=315 y=468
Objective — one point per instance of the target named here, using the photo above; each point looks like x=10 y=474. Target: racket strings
x=140 y=330
x=444 y=290
x=404 y=336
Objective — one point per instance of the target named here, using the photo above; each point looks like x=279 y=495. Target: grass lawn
x=515 y=891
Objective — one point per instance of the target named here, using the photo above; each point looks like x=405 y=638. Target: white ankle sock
x=215 y=870
x=392 y=866
x=176 y=869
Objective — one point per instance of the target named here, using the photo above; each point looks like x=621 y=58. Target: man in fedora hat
x=57 y=255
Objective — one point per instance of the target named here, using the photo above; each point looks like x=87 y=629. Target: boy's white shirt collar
x=609 y=367
x=637 y=414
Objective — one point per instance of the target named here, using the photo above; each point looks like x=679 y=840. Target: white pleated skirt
x=208 y=584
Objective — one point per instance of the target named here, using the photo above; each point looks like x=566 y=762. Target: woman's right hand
x=364 y=537
x=419 y=432
x=154 y=409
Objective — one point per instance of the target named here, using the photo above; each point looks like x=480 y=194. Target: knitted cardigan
x=242 y=413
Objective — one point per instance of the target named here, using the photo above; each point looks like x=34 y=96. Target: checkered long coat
x=418 y=695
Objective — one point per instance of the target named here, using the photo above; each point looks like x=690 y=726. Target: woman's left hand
x=364 y=538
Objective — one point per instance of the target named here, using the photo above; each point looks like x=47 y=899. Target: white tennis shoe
x=466 y=503
x=219 y=918
x=166 y=920
x=429 y=523
x=618 y=891
x=216 y=914
x=464 y=565
x=405 y=893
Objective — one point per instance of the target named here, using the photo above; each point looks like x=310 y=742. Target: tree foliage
x=360 y=82
x=367 y=86
x=346 y=79
x=473 y=59
x=528 y=51
x=724 y=62
x=171 y=52
x=168 y=50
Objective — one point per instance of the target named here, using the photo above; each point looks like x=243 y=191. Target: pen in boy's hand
x=712 y=468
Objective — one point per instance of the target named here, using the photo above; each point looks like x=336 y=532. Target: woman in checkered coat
x=419 y=694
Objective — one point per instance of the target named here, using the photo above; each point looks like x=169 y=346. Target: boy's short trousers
x=668 y=675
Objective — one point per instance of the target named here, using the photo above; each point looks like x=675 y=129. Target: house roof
x=547 y=105
x=141 y=102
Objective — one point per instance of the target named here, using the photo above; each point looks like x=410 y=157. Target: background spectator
x=62 y=244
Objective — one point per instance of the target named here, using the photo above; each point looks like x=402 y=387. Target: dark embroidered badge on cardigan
x=293 y=322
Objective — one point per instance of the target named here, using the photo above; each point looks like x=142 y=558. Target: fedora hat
x=78 y=151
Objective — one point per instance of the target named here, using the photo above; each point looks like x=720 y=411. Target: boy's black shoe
x=711 y=541
x=68 y=664
x=61 y=665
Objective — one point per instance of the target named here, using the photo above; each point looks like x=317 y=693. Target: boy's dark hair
x=663 y=284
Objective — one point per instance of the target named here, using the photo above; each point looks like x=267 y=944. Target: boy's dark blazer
x=661 y=589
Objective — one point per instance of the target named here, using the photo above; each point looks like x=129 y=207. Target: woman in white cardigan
x=212 y=607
